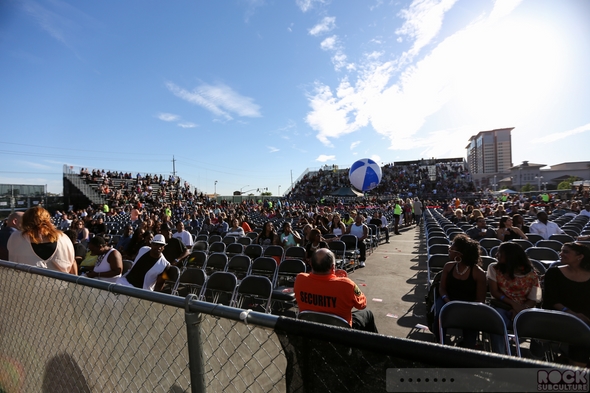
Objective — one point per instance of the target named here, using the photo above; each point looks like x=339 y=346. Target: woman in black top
x=462 y=279
x=507 y=231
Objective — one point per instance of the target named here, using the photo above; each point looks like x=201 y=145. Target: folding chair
x=217 y=247
x=523 y=243
x=487 y=261
x=216 y=262
x=472 y=316
x=493 y=251
x=234 y=249
x=295 y=252
x=253 y=251
x=550 y=325
x=239 y=265
x=288 y=271
x=256 y=292
x=229 y=240
x=534 y=238
x=437 y=240
x=127 y=265
x=322 y=317
x=245 y=241
x=542 y=254
x=438 y=249
x=215 y=238
x=265 y=266
x=201 y=245
x=196 y=259
x=541 y=268
x=563 y=238
x=252 y=235
x=488 y=243
x=191 y=281
x=338 y=247
x=352 y=251
x=171 y=282
x=275 y=252
x=220 y=288
x=555 y=245
x=434 y=264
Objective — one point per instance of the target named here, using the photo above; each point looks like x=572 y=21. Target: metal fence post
x=195 y=347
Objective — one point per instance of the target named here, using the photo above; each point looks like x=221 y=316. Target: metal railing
x=64 y=333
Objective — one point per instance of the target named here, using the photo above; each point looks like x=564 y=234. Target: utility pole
x=173 y=167
x=291 y=179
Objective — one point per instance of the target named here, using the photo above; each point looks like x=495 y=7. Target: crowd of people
x=156 y=233
x=424 y=179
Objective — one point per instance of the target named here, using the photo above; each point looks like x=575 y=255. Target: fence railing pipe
x=195 y=347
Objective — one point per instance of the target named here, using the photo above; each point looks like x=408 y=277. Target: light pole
x=539 y=178
x=279 y=193
x=215 y=189
x=247 y=185
x=520 y=179
x=545 y=185
x=495 y=184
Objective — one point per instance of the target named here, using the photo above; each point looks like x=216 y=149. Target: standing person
x=147 y=267
x=41 y=244
x=13 y=224
x=109 y=263
x=462 y=279
x=361 y=231
x=397 y=212
x=417 y=210
x=341 y=294
x=567 y=289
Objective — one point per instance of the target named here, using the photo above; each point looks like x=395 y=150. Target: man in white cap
x=148 y=265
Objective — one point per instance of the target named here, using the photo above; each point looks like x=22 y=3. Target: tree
x=567 y=184
x=267 y=193
x=526 y=188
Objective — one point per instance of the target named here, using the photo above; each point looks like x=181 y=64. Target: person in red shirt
x=323 y=291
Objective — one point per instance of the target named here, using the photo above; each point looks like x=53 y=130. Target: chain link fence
x=61 y=333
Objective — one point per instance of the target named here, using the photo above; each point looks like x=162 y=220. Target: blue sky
x=247 y=92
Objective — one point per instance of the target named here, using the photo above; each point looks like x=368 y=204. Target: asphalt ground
x=394 y=282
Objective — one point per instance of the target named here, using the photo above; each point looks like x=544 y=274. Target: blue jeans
x=498 y=345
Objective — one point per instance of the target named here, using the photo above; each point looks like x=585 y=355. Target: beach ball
x=365 y=174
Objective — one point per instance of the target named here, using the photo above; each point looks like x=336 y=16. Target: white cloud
x=187 y=125
x=272 y=149
x=329 y=43
x=306 y=5
x=35 y=165
x=168 y=117
x=562 y=135
x=353 y=145
x=221 y=100
x=450 y=76
x=324 y=158
x=49 y=21
x=326 y=25
x=376 y=158
x=423 y=22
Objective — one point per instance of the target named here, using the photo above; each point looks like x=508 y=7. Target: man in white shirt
x=148 y=265
x=185 y=237
x=544 y=227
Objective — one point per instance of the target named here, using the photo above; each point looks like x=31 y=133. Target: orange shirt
x=329 y=294
x=246 y=227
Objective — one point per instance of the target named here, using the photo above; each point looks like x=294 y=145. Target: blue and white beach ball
x=365 y=174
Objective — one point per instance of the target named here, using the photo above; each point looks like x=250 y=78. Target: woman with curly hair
x=462 y=279
x=41 y=244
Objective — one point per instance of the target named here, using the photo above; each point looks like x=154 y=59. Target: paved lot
x=394 y=282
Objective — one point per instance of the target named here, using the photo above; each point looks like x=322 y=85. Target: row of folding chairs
x=229 y=275
x=532 y=323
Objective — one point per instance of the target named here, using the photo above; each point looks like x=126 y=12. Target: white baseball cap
x=159 y=239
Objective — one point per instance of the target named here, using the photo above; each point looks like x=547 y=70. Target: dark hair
x=503 y=220
x=73 y=235
x=583 y=250
x=469 y=249
x=324 y=264
x=515 y=258
x=97 y=241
